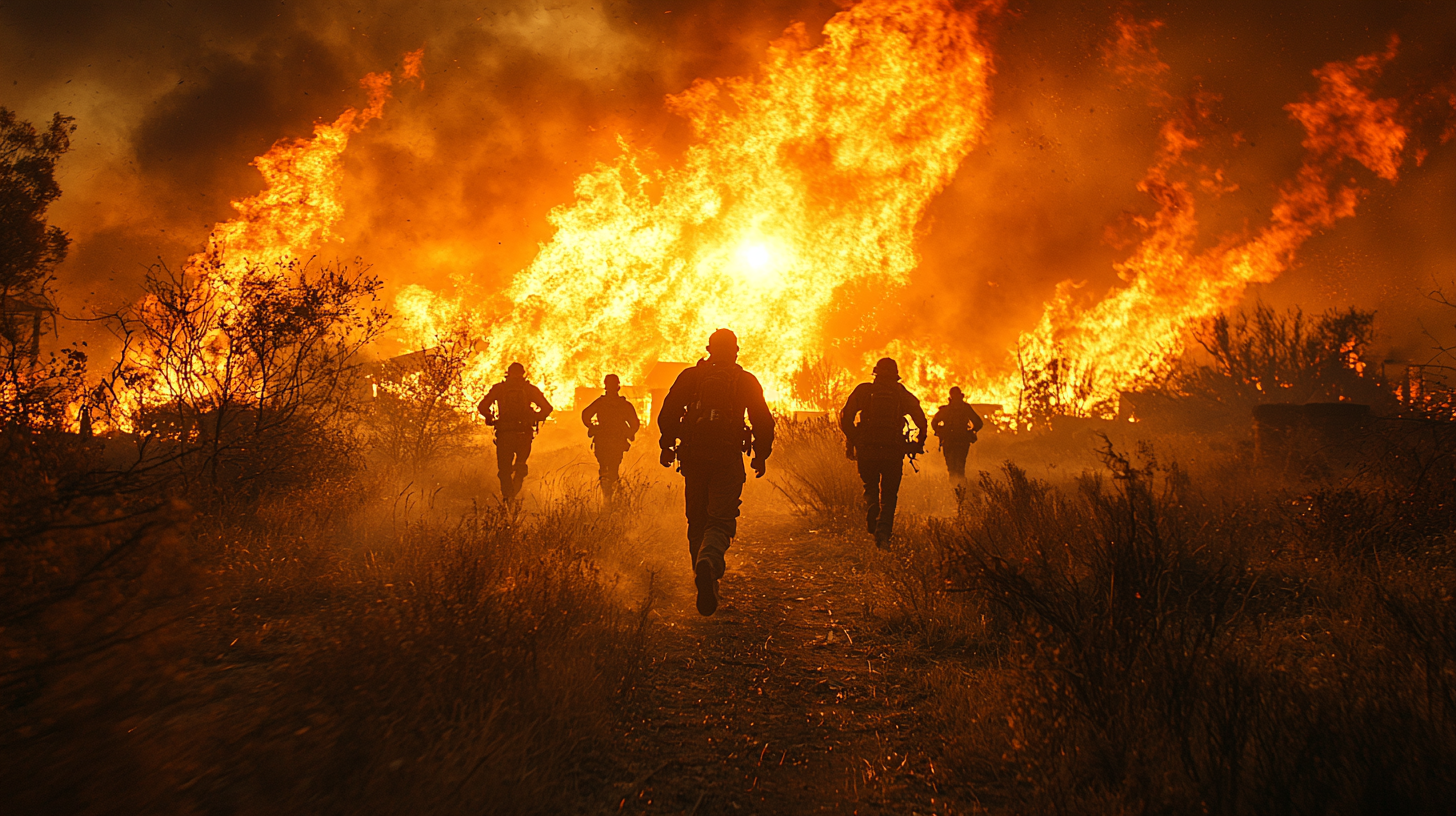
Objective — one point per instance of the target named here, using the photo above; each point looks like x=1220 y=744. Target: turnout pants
x=713 y=491
x=881 y=477
x=955 y=457
x=609 y=463
x=511 y=452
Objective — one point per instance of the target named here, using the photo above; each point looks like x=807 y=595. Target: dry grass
x=813 y=474
x=345 y=649
x=1144 y=640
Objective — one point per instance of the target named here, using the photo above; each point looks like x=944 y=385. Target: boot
x=715 y=544
x=883 y=531
x=707 y=583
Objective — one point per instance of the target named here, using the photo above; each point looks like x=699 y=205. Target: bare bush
x=813 y=472
x=1163 y=653
x=38 y=395
x=821 y=384
x=341 y=662
x=246 y=380
x=1060 y=387
x=416 y=418
x=1262 y=355
x=86 y=561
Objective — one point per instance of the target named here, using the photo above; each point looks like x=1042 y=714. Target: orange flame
x=294 y=215
x=302 y=204
x=1136 y=332
x=811 y=175
x=1132 y=55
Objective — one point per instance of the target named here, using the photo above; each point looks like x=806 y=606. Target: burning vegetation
x=252 y=558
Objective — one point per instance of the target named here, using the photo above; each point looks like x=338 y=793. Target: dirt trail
x=791 y=699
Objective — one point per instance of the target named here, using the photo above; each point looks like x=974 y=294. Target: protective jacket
x=703 y=415
x=514 y=406
x=615 y=423
x=881 y=408
x=957 y=423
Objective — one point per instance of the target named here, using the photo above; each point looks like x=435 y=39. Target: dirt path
x=791 y=699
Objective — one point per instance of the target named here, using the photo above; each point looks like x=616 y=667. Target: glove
x=760 y=467
x=668 y=455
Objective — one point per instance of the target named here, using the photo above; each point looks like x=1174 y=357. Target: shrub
x=1262 y=356
x=1155 y=659
x=415 y=419
x=524 y=650
x=332 y=662
x=822 y=384
x=239 y=380
x=813 y=473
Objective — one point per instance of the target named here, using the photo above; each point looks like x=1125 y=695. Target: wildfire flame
x=1137 y=331
x=302 y=203
x=295 y=214
x=811 y=175
x=815 y=174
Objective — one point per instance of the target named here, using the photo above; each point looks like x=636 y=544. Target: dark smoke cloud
x=451 y=189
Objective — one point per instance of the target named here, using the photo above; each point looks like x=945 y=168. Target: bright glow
x=756 y=262
x=810 y=175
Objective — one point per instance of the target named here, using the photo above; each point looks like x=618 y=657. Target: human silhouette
x=702 y=425
x=611 y=423
x=515 y=408
x=956 y=425
x=874 y=423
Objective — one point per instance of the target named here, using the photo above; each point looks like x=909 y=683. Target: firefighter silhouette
x=702 y=425
x=515 y=408
x=611 y=423
x=956 y=424
x=874 y=424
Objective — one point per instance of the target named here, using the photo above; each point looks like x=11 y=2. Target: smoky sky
x=453 y=187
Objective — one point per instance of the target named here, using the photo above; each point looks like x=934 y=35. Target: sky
x=452 y=188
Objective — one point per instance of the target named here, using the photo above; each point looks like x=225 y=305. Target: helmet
x=515 y=370
x=887 y=367
x=723 y=339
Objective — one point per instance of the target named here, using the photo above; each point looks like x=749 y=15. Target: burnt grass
x=1092 y=626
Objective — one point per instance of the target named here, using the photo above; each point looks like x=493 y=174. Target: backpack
x=613 y=415
x=882 y=420
x=957 y=423
x=714 y=421
x=513 y=407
